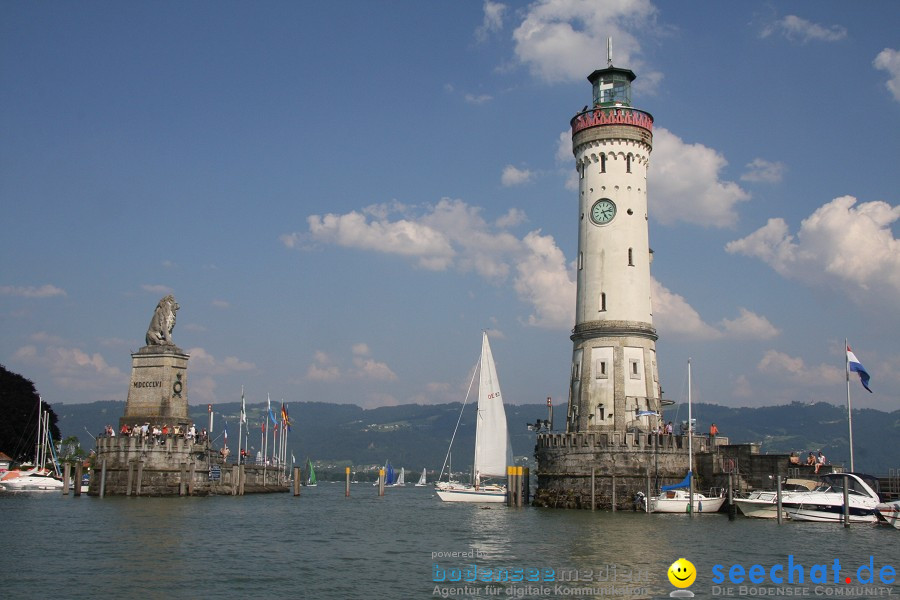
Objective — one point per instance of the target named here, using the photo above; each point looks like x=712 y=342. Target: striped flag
x=854 y=365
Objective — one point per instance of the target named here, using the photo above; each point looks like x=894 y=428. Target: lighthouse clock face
x=603 y=211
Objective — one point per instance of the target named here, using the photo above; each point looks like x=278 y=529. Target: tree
x=70 y=450
x=19 y=407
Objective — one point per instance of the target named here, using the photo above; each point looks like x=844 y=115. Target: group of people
x=813 y=459
x=156 y=433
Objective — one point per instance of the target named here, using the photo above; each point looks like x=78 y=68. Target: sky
x=342 y=196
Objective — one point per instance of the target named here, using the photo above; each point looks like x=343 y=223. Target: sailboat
x=679 y=498
x=311 y=477
x=421 y=481
x=401 y=479
x=492 y=448
x=39 y=478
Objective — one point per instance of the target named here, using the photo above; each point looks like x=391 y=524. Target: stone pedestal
x=158 y=391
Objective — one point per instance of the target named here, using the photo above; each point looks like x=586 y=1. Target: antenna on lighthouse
x=609 y=52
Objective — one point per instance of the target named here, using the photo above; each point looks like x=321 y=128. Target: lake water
x=323 y=545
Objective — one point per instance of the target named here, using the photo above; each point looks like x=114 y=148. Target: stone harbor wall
x=622 y=465
x=137 y=466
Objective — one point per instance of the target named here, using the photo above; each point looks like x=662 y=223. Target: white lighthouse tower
x=614 y=377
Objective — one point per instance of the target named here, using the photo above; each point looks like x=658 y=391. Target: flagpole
x=849 y=411
x=241 y=427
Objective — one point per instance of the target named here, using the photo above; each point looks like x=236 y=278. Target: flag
x=284 y=416
x=226 y=433
x=243 y=408
x=271 y=416
x=646 y=413
x=853 y=364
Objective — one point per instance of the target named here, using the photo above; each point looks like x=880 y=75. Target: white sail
x=492 y=453
x=421 y=481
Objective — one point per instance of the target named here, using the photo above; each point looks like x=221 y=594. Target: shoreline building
x=610 y=450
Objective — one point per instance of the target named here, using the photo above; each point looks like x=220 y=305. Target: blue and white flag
x=854 y=365
x=646 y=413
x=226 y=433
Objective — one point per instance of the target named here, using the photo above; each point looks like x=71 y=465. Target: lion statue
x=163 y=322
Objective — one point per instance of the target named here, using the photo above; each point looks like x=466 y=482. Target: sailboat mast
x=690 y=422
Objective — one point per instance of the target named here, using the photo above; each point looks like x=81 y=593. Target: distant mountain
x=416 y=436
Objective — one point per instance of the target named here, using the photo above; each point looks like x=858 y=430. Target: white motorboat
x=33 y=480
x=826 y=502
x=762 y=504
x=889 y=512
x=492 y=450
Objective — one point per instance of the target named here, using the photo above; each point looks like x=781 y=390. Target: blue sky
x=341 y=196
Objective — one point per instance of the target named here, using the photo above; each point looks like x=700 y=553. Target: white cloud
x=493 y=20
x=477 y=99
x=322 y=369
x=798 y=29
x=514 y=176
x=512 y=218
x=543 y=280
x=354 y=230
x=45 y=291
x=207 y=364
x=367 y=368
x=73 y=368
x=686 y=184
x=760 y=170
x=156 y=289
x=675 y=318
x=889 y=60
x=221 y=304
x=564 y=40
x=780 y=366
x=838 y=245
x=749 y=326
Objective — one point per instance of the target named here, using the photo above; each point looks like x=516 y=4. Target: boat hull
x=890 y=512
x=701 y=505
x=491 y=494
x=828 y=514
x=30 y=482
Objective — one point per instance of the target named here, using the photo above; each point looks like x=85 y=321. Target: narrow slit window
x=630 y=257
x=603 y=163
x=634 y=369
x=600 y=370
x=628 y=164
x=580 y=260
x=602 y=301
x=581 y=168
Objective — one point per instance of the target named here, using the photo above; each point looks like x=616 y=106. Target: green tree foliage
x=70 y=450
x=19 y=425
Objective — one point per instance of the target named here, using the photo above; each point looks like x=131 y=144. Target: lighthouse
x=614 y=385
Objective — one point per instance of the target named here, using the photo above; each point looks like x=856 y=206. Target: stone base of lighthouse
x=610 y=468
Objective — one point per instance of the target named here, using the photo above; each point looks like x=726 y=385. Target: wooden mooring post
x=296 y=481
x=67 y=475
x=381 y=482
x=79 y=473
x=103 y=478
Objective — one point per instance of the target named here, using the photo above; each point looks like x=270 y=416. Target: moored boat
x=889 y=512
x=826 y=502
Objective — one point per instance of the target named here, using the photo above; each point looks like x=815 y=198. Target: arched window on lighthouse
x=581 y=168
x=602 y=301
x=602 y=163
x=628 y=163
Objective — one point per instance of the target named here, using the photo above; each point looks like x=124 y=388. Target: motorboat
x=889 y=512
x=32 y=480
x=761 y=504
x=826 y=502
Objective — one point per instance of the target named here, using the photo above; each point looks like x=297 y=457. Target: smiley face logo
x=682 y=573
